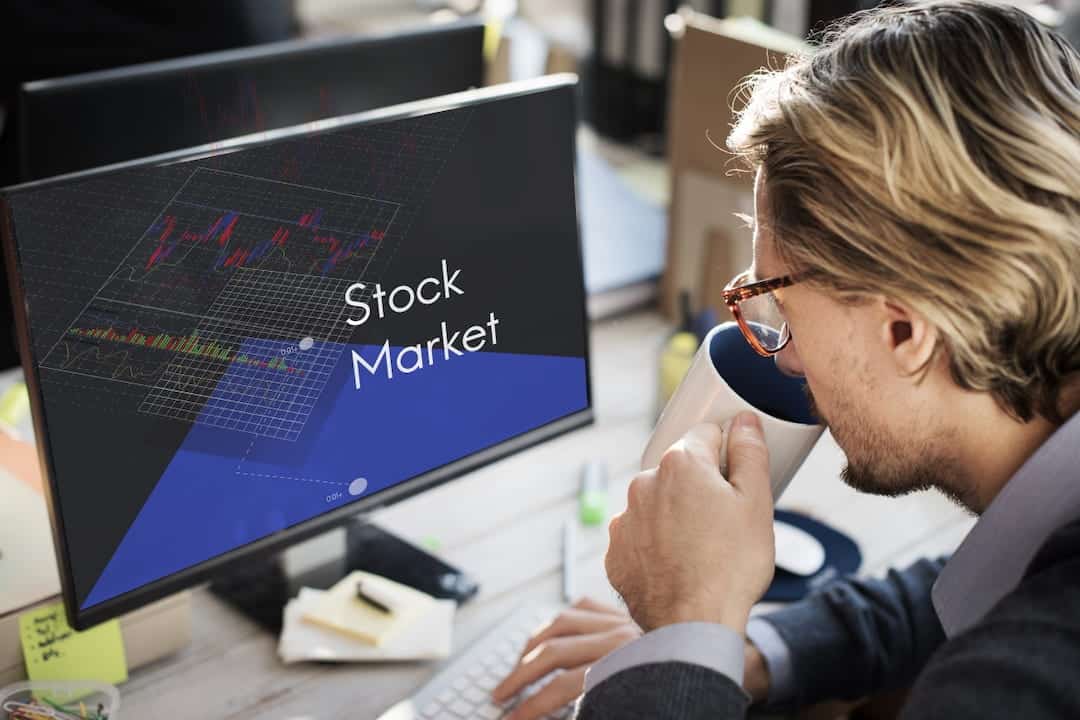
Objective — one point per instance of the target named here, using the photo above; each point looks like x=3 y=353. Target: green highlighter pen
x=14 y=405
x=592 y=501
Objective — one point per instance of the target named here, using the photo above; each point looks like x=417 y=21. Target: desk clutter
x=59 y=700
x=54 y=651
x=365 y=617
x=35 y=639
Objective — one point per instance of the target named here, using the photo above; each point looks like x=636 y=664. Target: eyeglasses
x=757 y=312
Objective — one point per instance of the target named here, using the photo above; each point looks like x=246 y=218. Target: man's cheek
x=817 y=399
x=812 y=404
x=789 y=360
x=612 y=566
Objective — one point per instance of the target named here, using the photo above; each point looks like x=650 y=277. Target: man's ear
x=908 y=336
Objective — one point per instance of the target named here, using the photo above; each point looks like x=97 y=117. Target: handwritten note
x=53 y=651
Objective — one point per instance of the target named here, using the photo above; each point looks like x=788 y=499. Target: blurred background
x=656 y=197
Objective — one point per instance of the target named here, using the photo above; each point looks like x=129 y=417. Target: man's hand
x=573 y=641
x=692 y=545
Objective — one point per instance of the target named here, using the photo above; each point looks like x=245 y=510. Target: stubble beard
x=878 y=463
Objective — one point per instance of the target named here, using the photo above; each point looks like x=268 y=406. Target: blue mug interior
x=758 y=380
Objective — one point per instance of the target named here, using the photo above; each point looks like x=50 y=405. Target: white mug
x=725 y=378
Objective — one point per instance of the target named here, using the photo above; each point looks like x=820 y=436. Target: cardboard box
x=725 y=256
x=711 y=57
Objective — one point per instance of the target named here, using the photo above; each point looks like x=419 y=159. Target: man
x=918 y=190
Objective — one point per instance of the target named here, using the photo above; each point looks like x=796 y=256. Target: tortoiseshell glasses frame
x=738 y=291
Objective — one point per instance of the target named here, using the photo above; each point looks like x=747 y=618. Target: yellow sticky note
x=339 y=609
x=53 y=651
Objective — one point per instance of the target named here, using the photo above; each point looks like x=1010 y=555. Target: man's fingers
x=574 y=621
x=703 y=442
x=556 y=654
x=748 y=457
x=563 y=689
x=588 y=603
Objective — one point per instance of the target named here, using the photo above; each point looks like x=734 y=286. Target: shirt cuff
x=710 y=645
x=777 y=658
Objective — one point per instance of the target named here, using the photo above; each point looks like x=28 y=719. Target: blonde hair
x=931 y=153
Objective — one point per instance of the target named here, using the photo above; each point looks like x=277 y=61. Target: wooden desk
x=502 y=524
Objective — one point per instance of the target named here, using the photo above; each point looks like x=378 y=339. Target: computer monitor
x=230 y=349
x=99 y=118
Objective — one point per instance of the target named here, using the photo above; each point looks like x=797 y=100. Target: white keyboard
x=462 y=689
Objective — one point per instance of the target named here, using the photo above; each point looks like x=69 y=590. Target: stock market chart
x=228 y=342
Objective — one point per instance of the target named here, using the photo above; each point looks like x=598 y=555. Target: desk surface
x=511 y=543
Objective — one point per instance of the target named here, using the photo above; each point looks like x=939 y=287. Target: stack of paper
x=334 y=625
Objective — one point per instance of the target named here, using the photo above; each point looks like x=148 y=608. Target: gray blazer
x=855 y=638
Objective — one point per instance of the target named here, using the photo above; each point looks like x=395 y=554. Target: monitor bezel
x=277 y=541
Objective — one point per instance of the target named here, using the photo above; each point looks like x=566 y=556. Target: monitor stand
x=262 y=586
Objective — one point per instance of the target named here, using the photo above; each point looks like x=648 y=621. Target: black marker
x=368 y=597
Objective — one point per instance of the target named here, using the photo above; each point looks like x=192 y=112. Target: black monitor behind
x=100 y=118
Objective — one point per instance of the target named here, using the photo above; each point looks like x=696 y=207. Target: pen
x=592 y=498
x=569 y=555
x=373 y=598
x=14 y=404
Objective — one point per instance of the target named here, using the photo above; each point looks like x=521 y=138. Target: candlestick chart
x=229 y=306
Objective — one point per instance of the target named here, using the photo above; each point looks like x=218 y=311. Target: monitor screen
x=98 y=118
x=232 y=351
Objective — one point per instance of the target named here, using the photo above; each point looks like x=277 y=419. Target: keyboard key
x=475 y=695
x=466 y=693
x=462 y=709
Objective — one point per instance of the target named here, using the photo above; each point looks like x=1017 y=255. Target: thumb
x=748 y=458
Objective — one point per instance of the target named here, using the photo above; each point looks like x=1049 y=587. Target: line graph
x=232 y=255
x=228 y=308
x=222 y=221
